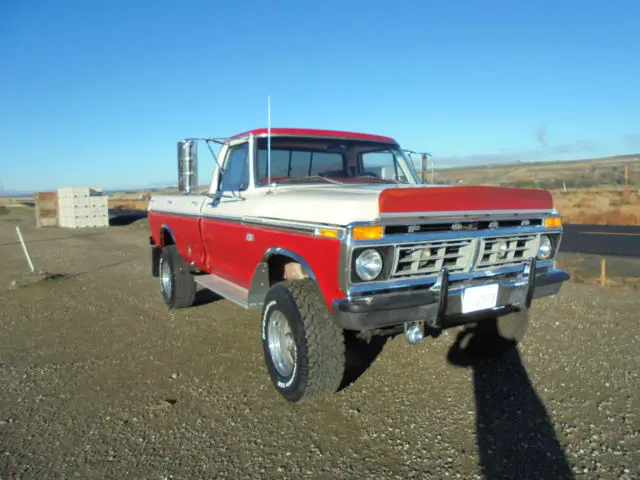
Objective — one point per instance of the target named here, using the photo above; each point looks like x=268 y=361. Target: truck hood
x=344 y=204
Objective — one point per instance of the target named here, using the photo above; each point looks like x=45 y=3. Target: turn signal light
x=552 y=222
x=368 y=232
x=327 y=233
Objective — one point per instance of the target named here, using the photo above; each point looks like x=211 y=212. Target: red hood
x=462 y=199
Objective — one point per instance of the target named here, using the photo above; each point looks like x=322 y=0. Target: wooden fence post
x=626 y=180
x=603 y=272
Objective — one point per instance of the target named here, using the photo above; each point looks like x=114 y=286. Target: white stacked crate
x=82 y=207
x=99 y=211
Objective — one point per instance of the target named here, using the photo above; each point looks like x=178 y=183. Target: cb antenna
x=269 y=140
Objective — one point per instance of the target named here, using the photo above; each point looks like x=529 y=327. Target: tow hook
x=414 y=332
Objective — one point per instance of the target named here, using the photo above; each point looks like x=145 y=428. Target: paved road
x=602 y=239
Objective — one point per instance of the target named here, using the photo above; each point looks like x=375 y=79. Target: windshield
x=331 y=160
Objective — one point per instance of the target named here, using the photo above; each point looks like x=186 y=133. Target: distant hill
x=15 y=193
x=600 y=172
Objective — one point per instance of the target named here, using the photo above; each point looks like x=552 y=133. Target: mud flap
x=155 y=258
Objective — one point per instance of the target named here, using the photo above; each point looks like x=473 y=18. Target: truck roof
x=312 y=132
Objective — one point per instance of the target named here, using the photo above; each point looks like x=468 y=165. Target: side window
x=236 y=169
x=383 y=165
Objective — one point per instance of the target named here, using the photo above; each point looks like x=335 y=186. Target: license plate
x=479 y=298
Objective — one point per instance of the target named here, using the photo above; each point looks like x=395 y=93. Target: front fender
x=260 y=282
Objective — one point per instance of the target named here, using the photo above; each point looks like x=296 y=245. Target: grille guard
x=441 y=311
x=442 y=283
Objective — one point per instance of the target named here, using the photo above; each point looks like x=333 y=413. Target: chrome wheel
x=282 y=347
x=165 y=278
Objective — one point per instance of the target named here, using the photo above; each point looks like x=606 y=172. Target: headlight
x=545 y=250
x=368 y=264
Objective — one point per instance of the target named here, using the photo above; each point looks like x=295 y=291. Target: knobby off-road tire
x=177 y=284
x=495 y=336
x=319 y=349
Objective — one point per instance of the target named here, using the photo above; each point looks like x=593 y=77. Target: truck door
x=223 y=233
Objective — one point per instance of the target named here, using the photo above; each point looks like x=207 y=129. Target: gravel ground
x=99 y=380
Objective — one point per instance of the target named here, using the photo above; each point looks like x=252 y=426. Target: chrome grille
x=428 y=258
x=505 y=251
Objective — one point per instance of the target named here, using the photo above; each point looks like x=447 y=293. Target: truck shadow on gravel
x=515 y=436
x=360 y=356
x=205 y=296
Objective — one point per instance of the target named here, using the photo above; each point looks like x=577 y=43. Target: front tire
x=177 y=284
x=304 y=349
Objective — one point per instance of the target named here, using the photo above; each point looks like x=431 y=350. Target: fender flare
x=260 y=281
x=166 y=229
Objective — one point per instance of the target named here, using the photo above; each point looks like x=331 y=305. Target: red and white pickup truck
x=329 y=231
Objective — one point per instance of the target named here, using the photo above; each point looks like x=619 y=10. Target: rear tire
x=177 y=284
x=304 y=349
x=496 y=336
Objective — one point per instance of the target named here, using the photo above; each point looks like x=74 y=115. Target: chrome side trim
x=177 y=214
x=292 y=224
x=278 y=224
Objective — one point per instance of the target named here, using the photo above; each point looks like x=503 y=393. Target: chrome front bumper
x=443 y=311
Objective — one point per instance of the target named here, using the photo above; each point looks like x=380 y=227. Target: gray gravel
x=99 y=380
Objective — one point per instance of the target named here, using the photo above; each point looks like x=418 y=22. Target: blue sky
x=99 y=93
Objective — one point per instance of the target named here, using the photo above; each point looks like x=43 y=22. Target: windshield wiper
x=310 y=177
x=368 y=179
